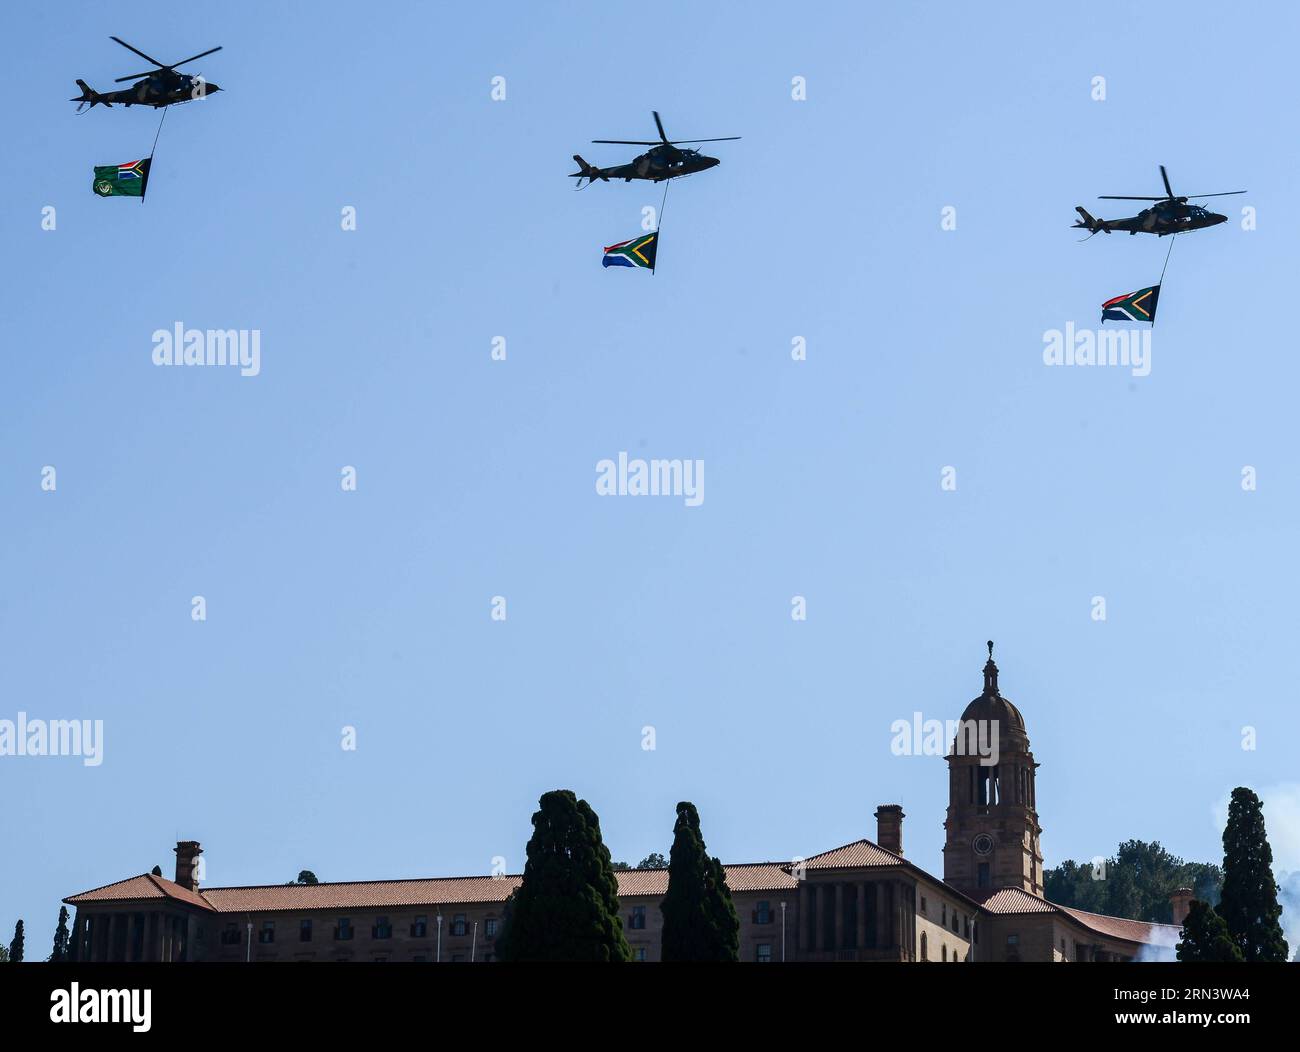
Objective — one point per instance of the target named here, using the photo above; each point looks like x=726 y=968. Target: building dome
x=994 y=707
x=991 y=706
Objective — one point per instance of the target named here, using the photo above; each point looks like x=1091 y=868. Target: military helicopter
x=1169 y=215
x=157 y=88
x=665 y=161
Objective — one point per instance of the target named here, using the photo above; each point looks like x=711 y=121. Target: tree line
x=1234 y=914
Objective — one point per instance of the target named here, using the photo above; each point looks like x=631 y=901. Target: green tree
x=156 y=871
x=700 y=922
x=654 y=860
x=305 y=876
x=566 y=908
x=1249 y=901
x=1135 y=882
x=61 y=938
x=4 y=955
x=16 y=947
x=619 y=867
x=1205 y=936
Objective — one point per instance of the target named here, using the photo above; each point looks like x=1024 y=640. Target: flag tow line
x=152 y=150
x=659 y=224
x=1160 y=284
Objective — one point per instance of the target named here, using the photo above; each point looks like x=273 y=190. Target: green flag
x=122 y=180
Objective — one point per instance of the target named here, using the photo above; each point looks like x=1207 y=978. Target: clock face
x=983 y=844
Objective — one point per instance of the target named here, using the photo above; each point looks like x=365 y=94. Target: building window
x=764 y=955
x=267 y=934
x=925 y=947
x=637 y=921
x=967 y=927
x=420 y=927
x=922 y=903
x=490 y=928
x=956 y=927
x=944 y=922
x=944 y=950
x=304 y=930
x=344 y=930
x=638 y=954
x=763 y=914
x=230 y=934
x=458 y=925
x=982 y=877
x=381 y=929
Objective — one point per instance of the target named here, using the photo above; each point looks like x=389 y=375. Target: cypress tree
x=16 y=947
x=1206 y=936
x=700 y=922
x=61 y=937
x=1249 y=900
x=566 y=909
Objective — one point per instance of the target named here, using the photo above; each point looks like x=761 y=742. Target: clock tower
x=992 y=826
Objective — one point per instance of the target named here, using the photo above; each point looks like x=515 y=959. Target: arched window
x=925 y=947
x=944 y=951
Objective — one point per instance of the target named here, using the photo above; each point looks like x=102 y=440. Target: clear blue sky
x=476 y=478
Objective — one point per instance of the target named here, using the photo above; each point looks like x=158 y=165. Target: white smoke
x=1163 y=948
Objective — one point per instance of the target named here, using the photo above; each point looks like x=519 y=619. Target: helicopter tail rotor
x=588 y=172
x=89 y=97
x=1088 y=222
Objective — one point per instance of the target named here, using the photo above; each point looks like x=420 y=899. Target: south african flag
x=122 y=180
x=639 y=252
x=1133 y=306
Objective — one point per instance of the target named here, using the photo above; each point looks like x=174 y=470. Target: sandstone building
x=863 y=901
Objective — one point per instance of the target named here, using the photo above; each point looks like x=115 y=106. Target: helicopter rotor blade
x=136 y=76
x=138 y=52
x=725 y=138
x=1169 y=190
x=660 y=125
x=1226 y=193
x=201 y=54
x=1118 y=197
x=629 y=142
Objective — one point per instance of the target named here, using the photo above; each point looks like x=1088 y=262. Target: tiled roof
x=134 y=889
x=1017 y=900
x=748 y=876
x=363 y=894
x=858 y=853
x=432 y=891
x=760 y=876
x=1128 y=930
x=634 y=882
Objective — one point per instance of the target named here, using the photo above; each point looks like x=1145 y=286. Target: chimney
x=187 y=860
x=889 y=827
x=1181 y=900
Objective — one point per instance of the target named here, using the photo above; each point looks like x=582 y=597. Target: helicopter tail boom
x=588 y=172
x=1089 y=223
x=89 y=95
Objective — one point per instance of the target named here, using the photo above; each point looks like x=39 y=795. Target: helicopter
x=664 y=161
x=157 y=88
x=1169 y=215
